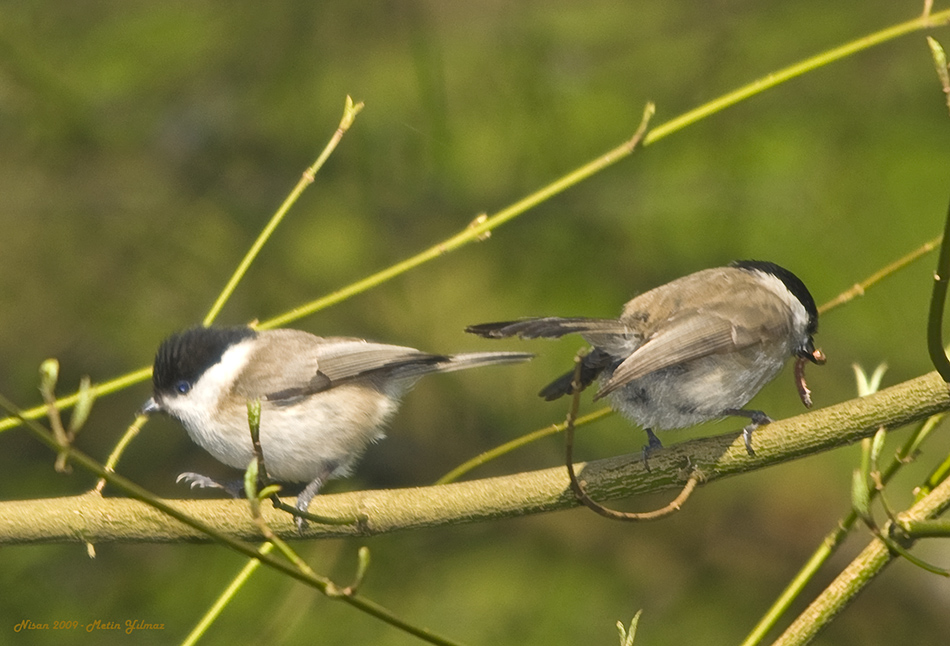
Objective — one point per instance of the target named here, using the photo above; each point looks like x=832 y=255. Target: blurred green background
x=144 y=145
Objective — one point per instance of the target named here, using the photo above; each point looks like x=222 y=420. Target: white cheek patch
x=199 y=405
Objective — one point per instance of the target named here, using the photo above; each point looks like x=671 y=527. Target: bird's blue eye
x=182 y=387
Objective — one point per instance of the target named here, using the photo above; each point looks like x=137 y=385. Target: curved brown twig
x=578 y=489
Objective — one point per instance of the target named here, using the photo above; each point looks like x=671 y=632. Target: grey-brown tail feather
x=475 y=359
x=418 y=366
x=549 y=327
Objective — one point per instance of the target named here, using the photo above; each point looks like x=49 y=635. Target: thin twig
x=254 y=425
x=940 y=63
x=474 y=231
x=225 y=597
x=350 y=111
x=130 y=433
x=578 y=488
x=517 y=443
x=252 y=477
x=835 y=539
x=793 y=71
x=935 y=345
x=857 y=575
x=860 y=288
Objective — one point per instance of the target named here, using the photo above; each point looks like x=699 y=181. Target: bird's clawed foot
x=198 y=481
x=758 y=419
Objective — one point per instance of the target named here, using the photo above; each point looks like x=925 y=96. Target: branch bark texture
x=96 y=519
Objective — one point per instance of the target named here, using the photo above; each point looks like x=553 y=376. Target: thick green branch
x=95 y=519
x=859 y=573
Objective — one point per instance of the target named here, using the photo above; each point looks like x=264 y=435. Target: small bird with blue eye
x=324 y=400
x=696 y=349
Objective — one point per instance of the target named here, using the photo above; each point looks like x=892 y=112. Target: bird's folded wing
x=326 y=365
x=691 y=337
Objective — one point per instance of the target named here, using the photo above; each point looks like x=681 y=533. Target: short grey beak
x=151 y=406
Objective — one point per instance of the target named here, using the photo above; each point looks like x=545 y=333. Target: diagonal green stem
x=130 y=434
x=350 y=111
x=927 y=528
x=834 y=540
x=938 y=299
x=516 y=443
x=105 y=388
x=858 y=574
x=477 y=230
x=858 y=289
x=793 y=71
x=225 y=597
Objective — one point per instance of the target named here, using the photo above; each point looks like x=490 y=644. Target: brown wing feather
x=309 y=363
x=698 y=334
x=687 y=340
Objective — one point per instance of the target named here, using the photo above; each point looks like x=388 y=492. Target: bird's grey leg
x=309 y=492
x=653 y=444
x=758 y=419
